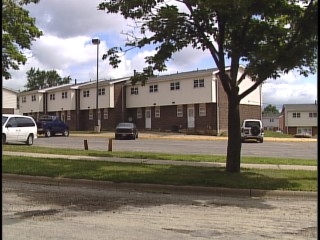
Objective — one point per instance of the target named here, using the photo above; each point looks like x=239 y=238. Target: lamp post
x=96 y=41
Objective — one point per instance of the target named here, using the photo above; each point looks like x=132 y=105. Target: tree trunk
x=234 y=137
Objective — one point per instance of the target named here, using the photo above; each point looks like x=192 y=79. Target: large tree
x=18 y=32
x=268 y=37
x=38 y=79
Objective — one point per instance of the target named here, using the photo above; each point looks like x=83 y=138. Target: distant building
x=299 y=119
x=270 y=121
x=10 y=101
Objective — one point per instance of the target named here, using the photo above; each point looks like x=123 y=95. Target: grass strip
x=158 y=156
x=266 y=179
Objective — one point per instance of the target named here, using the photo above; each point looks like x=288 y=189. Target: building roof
x=273 y=115
x=10 y=89
x=301 y=107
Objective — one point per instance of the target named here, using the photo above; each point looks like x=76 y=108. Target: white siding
x=187 y=94
x=254 y=97
x=59 y=103
x=270 y=122
x=31 y=106
x=88 y=102
x=303 y=121
x=110 y=94
x=104 y=101
x=9 y=99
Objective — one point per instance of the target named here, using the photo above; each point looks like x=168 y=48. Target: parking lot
x=184 y=144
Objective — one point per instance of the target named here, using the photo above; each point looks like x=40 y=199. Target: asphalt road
x=301 y=150
x=52 y=209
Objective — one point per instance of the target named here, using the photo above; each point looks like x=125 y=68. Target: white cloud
x=69 y=26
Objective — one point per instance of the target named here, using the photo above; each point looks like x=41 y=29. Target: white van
x=18 y=128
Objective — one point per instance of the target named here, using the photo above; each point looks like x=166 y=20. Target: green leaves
x=18 y=32
x=271 y=37
x=37 y=79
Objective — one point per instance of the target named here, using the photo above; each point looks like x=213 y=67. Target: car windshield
x=252 y=124
x=47 y=118
x=125 y=125
x=4 y=119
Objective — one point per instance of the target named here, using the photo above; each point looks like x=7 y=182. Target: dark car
x=52 y=125
x=126 y=130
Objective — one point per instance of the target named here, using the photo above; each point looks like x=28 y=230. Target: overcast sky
x=66 y=47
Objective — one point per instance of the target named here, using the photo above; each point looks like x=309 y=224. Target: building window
x=179 y=111
x=86 y=93
x=157 y=112
x=198 y=83
x=64 y=95
x=153 y=88
x=105 y=113
x=101 y=91
x=312 y=115
x=296 y=115
x=174 y=86
x=52 y=96
x=134 y=91
x=33 y=98
x=271 y=120
x=202 y=110
x=90 y=114
x=68 y=115
x=24 y=99
x=139 y=113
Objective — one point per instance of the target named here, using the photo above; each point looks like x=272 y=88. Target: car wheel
x=255 y=131
x=134 y=137
x=3 y=139
x=261 y=140
x=66 y=133
x=30 y=139
x=47 y=133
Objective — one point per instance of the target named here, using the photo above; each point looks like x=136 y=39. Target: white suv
x=18 y=128
x=252 y=129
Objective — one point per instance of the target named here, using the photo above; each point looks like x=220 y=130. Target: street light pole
x=96 y=41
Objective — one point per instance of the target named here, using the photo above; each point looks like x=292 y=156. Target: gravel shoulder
x=45 y=208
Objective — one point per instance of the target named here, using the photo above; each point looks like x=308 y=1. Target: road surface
x=44 y=208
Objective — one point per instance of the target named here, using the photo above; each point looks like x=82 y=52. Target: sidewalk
x=162 y=162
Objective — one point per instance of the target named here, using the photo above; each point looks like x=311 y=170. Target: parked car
x=252 y=129
x=125 y=130
x=18 y=128
x=52 y=125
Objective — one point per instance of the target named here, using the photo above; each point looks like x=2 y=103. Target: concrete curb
x=190 y=137
x=166 y=189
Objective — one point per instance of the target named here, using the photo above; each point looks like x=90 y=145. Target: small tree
x=18 y=31
x=267 y=37
x=37 y=79
x=270 y=109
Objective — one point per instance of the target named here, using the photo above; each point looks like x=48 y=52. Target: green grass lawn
x=266 y=179
x=158 y=156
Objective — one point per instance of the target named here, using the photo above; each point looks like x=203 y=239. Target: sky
x=68 y=28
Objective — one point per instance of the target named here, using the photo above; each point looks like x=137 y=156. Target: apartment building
x=189 y=101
